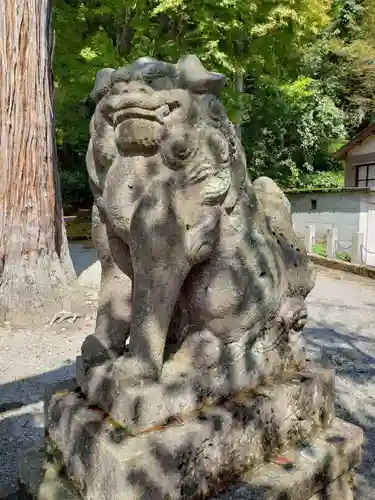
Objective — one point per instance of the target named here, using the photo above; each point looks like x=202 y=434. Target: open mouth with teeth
x=140 y=129
x=156 y=115
x=140 y=123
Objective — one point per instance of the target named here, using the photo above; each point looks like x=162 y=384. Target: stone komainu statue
x=203 y=274
x=194 y=256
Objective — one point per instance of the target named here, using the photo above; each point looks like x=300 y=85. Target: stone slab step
x=316 y=469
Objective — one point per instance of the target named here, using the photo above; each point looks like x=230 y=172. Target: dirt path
x=340 y=330
x=32 y=360
x=341 y=333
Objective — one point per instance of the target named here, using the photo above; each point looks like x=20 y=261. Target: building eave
x=341 y=153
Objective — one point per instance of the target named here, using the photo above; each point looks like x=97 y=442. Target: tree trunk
x=35 y=266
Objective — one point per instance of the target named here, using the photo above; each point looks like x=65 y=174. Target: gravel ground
x=339 y=332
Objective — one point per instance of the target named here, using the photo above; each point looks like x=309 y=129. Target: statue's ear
x=102 y=85
x=197 y=79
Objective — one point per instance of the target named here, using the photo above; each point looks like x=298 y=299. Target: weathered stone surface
x=301 y=475
x=195 y=453
x=317 y=469
x=39 y=478
x=341 y=488
x=194 y=256
x=138 y=403
x=57 y=389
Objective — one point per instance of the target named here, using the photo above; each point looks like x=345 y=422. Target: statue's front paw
x=133 y=369
x=293 y=314
x=94 y=351
x=200 y=351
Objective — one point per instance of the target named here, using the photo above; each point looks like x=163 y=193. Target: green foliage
x=320 y=248
x=347 y=15
x=343 y=60
x=75 y=188
x=289 y=131
x=82 y=49
x=308 y=68
x=329 y=179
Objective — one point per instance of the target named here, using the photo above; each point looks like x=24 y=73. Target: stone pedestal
x=320 y=469
x=278 y=440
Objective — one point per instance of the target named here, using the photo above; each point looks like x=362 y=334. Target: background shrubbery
x=307 y=70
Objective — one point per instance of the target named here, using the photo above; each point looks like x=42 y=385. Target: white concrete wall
x=367 y=146
x=346 y=211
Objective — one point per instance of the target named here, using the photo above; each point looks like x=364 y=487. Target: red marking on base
x=282 y=461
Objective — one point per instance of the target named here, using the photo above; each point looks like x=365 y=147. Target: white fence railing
x=356 y=250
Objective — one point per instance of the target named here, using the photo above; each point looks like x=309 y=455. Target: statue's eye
x=179 y=147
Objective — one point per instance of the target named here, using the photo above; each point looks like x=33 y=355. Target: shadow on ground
x=83 y=256
x=344 y=351
x=22 y=419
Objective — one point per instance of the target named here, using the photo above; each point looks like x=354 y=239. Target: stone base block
x=341 y=489
x=139 y=403
x=39 y=478
x=315 y=469
x=60 y=388
x=189 y=457
x=319 y=468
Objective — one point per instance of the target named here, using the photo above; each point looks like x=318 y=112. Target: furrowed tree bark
x=35 y=266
